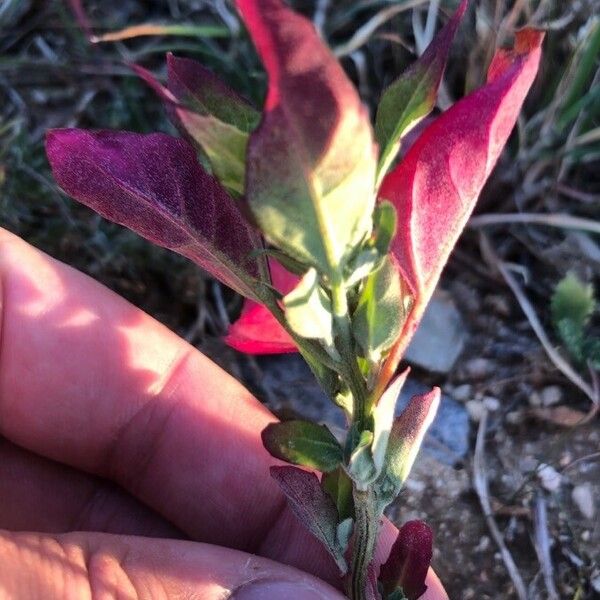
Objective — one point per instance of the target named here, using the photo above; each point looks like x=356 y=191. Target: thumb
x=80 y=565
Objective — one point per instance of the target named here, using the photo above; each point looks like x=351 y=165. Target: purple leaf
x=409 y=560
x=204 y=93
x=313 y=506
x=154 y=185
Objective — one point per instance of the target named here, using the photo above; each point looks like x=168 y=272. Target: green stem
x=366 y=529
x=353 y=376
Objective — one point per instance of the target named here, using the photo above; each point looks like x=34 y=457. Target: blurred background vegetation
x=537 y=221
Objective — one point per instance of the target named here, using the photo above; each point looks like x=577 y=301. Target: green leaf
x=571 y=335
x=573 y=300
x=384 y=226
x=344 y=531
x=361 y=466
x=404 y=442
x=303 y=443
x=312 y=161
x=308 y=309
x=396 y=595
x=412 y=96
x=381 y=311
x=339 y=486
x=223 y=145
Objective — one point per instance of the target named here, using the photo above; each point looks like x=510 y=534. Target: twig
x=559 y=362
x=553 y=220
x=363 y=34
x=481 y=487
x=542 y=545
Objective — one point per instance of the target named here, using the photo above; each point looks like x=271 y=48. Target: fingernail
x=274 y=590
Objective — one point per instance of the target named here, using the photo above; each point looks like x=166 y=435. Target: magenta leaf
x=257 y=331
x=196 y=102
x=154 y=185
x=311 y=162
x=313 y=506
x=412 y=96
x=435 y=187
x=447 y=166
x=406 y=568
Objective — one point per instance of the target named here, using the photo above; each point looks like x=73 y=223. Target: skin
x=130 y=465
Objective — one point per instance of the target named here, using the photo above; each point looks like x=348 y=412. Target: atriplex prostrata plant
x=336 y=250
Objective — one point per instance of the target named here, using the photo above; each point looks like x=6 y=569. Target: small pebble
x=551 y=395
x=463 y=392
x=475 y=408
x=479 y=368
x=491 y=403
x=584 y=499
x=549 y=478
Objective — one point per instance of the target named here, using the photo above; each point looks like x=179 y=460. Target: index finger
x=89 y=380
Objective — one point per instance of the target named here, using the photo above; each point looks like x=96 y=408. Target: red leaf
x=409 y=560
x=154 y=185
x=257 y=331
x=436 y=186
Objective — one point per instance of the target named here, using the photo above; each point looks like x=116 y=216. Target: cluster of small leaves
x=573 y=305
x=337 y=252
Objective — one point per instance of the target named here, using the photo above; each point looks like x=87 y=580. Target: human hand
x=135 y=460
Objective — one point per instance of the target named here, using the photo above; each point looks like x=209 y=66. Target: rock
x=463 y=392
x=551 y=395
x=549 y=477
x=440 y=338
x=290 y=390
x=492 y=404
x=476 y=410
x=583 y=498
x=479 y=368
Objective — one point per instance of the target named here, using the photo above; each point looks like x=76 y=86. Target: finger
x=42 y=495
x=100 y=565
x=88 y=380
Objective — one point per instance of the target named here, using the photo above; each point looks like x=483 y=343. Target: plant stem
x=353 y=376
x=366 y=528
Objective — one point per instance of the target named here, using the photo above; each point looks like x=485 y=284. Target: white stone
x=583 y=498
x=549 y=477
x=551 y=395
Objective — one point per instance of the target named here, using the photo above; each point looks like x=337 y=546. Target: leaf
x=384 y=225
x=200 y=90
x=311 y=162
x=573 y=300
x=380 y=312
x=211 y=115
x=154 y=185
x=435 y=187
x=313 y=507
x=383 y=418
x=308 y=310
x=413 y=95
x=303 y=443
x=406 y=568
x=344 y=532
x=257 y=331
x=339 y=486
x=361 y=466
x=153 y=29
x=404 y=442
